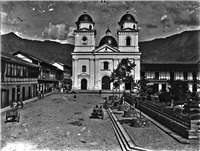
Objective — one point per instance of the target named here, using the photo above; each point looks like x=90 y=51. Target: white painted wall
x=130 y=25
x=94 y=60
x=95 y=72
x=86 y=25
x=123 y=35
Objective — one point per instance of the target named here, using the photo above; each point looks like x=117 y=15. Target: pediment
x=106 y=49
x=84 y=75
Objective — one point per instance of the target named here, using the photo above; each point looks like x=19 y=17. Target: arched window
x=83 y=68
x=90 y=27
x=128 y=41
x=105 y=65
x=84 y=40
x=133 y=26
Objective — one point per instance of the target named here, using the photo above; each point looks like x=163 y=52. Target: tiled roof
x=170 y=67
x=12 y=58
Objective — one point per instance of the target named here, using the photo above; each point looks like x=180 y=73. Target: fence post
x=189 y=119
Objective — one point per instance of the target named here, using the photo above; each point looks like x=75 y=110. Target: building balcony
x=166 y=79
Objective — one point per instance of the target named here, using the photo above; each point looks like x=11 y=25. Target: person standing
x=74 y=97
x=39 y=93
x=105 y=102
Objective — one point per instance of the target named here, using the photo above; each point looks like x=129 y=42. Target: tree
x=153 y=89
x=142 y=90
x=164 y=97
x=123 y=73
x=178 y=90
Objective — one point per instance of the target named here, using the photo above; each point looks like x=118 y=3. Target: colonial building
x=50 y=76
x=19 y=79
x=93 y=63
x=67 y=69
x=158 y=74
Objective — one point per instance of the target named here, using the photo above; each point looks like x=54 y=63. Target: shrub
x=164 y=97
x=140 y=122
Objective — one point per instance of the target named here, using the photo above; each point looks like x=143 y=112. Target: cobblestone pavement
x=57 y=122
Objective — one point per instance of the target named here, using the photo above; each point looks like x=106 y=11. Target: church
x=92 y=63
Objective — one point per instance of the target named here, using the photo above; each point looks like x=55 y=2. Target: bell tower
x=84 y=34
x=128 y=34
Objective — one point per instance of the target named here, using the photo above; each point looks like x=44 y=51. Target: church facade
x=93 y=63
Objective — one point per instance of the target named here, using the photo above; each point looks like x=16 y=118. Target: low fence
x=180 y=126
x=168 y=122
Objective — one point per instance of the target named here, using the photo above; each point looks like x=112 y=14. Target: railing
x=180 y=118
x=180 y=124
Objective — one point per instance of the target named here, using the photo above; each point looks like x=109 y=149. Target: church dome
x=127 y=18
x=108 y=40
x=85 y=18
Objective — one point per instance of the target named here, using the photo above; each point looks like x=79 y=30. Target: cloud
x=190 y=20
x=4 y=16
x=59 y=32
x=151 y=26
x=166 y=22
x=70 y=36
x=171 y=9
x=164 y=17
x=9 y=21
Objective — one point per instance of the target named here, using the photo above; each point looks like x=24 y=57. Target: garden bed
x=152 y=137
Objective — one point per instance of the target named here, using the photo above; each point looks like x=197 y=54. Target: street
x=58 y=122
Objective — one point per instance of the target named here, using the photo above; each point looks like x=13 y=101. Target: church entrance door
x=106 y=83
x=83 y=84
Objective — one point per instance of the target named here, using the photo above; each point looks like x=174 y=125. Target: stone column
x=137 y=69
x=159 y=87
x=75 y=74
x=96 y=75
x=115 y=63
x=91 y=65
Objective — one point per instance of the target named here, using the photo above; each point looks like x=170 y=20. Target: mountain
x=48 y=51
x=179 y=48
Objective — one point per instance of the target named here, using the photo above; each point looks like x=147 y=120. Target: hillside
x=183 y=47
x=48 y=51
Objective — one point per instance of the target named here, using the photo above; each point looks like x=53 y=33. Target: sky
x=55 y=20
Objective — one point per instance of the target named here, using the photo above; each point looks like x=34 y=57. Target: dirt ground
x=57 y=122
